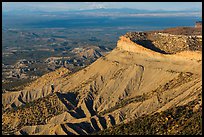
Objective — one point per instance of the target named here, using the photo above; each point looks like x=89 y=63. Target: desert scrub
x=181 y=120
x=37 y=112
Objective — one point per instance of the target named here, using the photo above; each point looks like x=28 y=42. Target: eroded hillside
x=135 y=79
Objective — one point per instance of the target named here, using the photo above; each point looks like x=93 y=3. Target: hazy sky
x=59 y=6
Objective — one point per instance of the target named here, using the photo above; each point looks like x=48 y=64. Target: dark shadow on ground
x=148 y=44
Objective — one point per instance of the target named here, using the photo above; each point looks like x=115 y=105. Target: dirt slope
x=128 y=82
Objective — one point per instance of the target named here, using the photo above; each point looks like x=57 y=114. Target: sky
x=63 y=6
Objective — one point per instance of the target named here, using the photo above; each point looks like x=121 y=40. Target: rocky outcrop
x=165 y=42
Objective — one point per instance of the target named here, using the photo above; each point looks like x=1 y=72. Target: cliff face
x=167 y=43
x=127 y=83
x=125 y=43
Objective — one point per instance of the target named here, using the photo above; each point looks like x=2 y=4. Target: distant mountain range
x=102 y=12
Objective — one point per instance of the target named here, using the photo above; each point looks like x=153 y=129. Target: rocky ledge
x=166 y=43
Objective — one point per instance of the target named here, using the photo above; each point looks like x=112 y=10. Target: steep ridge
x=37 y=89
x=181 y=120
x=127 y=83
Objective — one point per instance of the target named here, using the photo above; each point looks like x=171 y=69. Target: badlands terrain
x=151 y=83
